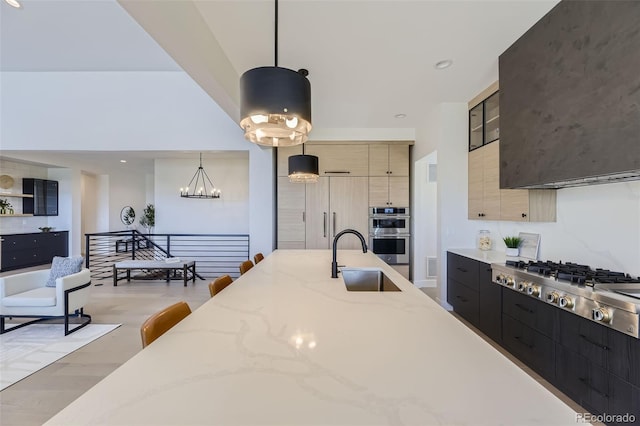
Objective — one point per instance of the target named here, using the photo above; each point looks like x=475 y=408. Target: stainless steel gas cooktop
x=607 y=297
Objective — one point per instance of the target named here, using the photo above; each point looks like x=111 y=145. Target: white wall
x=17 y=170
x=130 y=111
x=226 y=215
x=597 y=225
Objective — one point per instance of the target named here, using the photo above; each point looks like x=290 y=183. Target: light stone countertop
x=486 y=256
x=287 y=345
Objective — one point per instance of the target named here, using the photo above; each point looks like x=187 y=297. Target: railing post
x=133 y=244
x=87 y=253
x=168 y=245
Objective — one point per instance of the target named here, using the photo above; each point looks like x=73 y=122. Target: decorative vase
x=512 y=251
x=3 y=210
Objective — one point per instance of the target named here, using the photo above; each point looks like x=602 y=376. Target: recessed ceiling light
x=123 y=161
x=440 y=65
x=400 y=115
x=14 y=3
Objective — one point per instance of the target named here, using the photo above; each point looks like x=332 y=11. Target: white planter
x=512 y=251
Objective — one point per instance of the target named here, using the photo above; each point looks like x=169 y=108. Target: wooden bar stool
x=219 y=284
x=245 y=266
x=258 y=257
x=160 y=322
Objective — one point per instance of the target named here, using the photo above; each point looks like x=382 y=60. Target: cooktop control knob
x=511 y=282
x=522 y=286
x=533 y=290
x=602 y=315
x=552 y=297
x=566 y=302
x=500 y=278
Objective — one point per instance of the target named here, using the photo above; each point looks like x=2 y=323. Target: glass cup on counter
x=484 y=240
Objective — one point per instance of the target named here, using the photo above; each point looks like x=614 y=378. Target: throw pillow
x=63 y=266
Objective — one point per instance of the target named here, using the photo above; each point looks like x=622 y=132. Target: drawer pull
x=519 y=339
x=585 y=338
x=524 y=308
x=337 y=171
x=462 y=269
x=462 y=299
x=587 y=384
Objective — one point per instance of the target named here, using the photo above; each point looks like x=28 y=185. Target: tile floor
x=37 y=398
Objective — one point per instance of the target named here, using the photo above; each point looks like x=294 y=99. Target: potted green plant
x=513 y=245
x=148 y=218
x=5 y=206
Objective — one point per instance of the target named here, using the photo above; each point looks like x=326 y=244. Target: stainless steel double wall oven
x=390 y=234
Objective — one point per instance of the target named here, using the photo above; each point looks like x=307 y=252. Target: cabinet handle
x=304 y=216
x=462 y=299
x=461 y=269
x=337 y=171
x=524 y=308
x=587 y=384
x=588 y=340
x=324 y=223
x=519 y=339
x=334 y=224
x=524 y=215
x=390 y=172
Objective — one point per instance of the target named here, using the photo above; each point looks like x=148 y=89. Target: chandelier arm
x=191 y=181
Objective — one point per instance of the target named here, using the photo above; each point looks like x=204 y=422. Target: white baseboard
x=425 y=283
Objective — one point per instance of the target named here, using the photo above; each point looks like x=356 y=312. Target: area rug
x=31 y=348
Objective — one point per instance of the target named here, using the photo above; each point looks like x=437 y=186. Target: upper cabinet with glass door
x=484 y=118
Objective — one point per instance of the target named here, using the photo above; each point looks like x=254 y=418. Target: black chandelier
x=275 y=103
x=202 y=187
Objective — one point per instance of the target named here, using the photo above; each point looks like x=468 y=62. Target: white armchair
x=26 y=295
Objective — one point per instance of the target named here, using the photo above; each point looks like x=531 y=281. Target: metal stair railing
x=215 y=254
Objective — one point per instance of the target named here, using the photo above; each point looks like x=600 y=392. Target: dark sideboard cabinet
x=25 y=250
x=45 y=197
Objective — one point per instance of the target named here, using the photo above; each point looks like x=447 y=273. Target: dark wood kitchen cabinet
x=597 y=366
x=26 y=250
x=472 y=294
x=45 y=197
x=528 y=330
x=463 y=286
x=490 y=304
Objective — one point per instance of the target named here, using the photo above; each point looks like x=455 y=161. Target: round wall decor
x=127 y=215
x=6 y=182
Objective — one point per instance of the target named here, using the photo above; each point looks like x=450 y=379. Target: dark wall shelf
x=45 y=197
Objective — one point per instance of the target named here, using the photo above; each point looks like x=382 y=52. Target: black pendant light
x=303 y=168
x=275 y=103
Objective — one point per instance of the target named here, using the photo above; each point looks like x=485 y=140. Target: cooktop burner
x=573 y=272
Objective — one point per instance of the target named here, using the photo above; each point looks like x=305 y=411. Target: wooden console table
x=185 y=265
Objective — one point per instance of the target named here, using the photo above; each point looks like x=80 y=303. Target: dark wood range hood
x=570 y=98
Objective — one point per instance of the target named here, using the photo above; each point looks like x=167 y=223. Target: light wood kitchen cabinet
x=341 y=160
x=291 y=214
x=388 y=191
x=334 y=204
x=283 y=158
x=317 y=208
x=488 y=202
x=388 y=159
x=484 y=183
x=389 y=171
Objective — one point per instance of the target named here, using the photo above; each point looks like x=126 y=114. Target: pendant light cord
x=276 y=36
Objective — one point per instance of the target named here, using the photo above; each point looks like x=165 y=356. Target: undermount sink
x=367 y=279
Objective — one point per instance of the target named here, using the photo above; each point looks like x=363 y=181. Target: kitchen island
x=286 y=344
